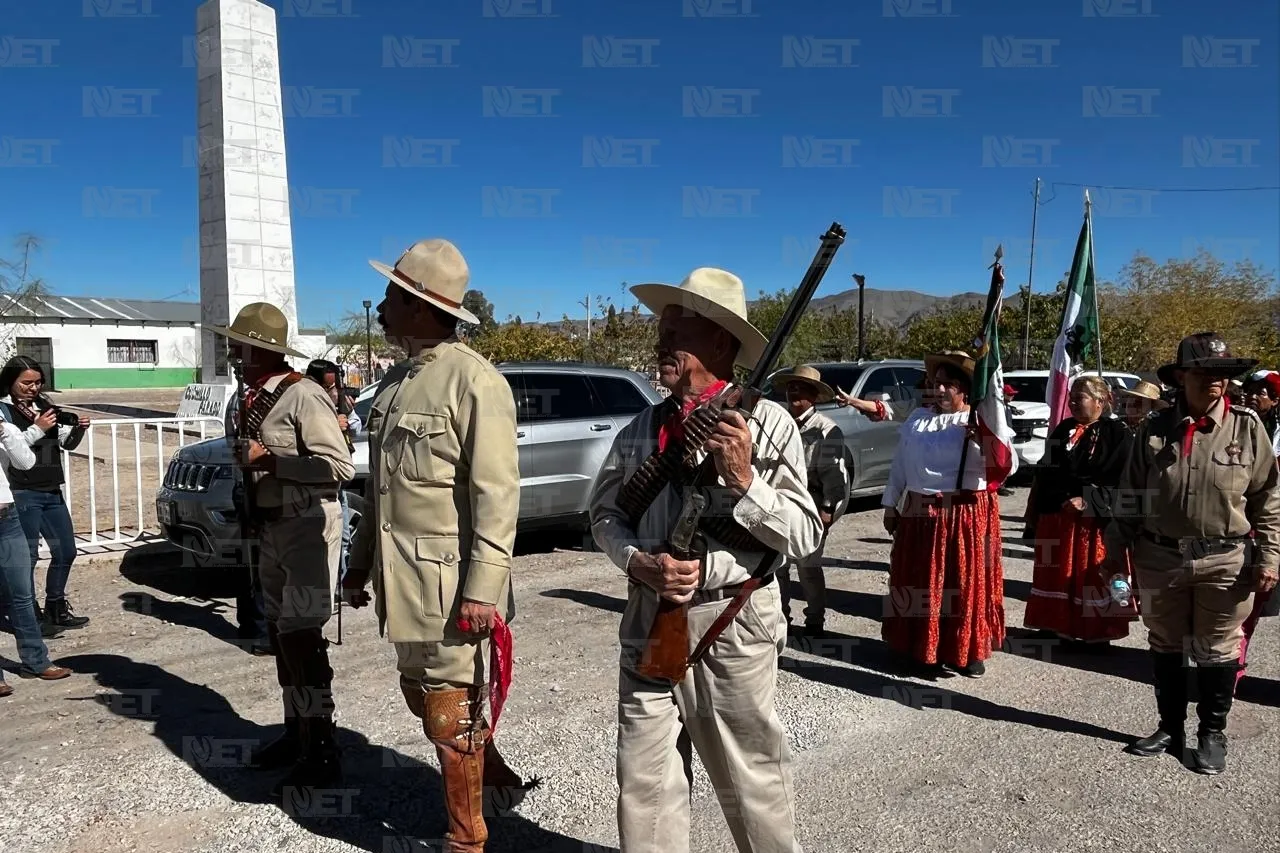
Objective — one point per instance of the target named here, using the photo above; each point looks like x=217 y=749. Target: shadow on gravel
x=598 y=600
x=875 y=540
x=390 y=802
x=867 y=565
x=873 y=654
x=1116 y=661
x=1259 y=691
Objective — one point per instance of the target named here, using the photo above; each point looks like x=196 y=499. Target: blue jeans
x=46 y=513
x=15 y=578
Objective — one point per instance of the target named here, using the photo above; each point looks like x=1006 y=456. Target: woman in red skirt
x=946 y=601
x=1083 y=460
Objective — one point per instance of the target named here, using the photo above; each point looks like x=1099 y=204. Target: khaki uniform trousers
x=298 y=559
x=814 y=583
x=452 y=663
x=1194 y=606
x=724 y=708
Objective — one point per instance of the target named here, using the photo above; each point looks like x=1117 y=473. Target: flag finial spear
x=999 y=255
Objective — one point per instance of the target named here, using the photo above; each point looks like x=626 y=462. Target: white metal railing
x=138 y=435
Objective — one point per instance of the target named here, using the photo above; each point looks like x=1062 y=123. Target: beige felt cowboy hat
x=261 y=325
x=955 y=358
x=810 y=376
x=1146 y=391
x=433 y=270
x=716 y=295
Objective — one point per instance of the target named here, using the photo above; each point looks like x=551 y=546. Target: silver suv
x=566 y=418
x=871 y=444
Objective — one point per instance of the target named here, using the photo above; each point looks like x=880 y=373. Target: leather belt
x=943 y=500
x=1194 y=543
x=707 y=596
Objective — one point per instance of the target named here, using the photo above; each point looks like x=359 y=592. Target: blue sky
x=920 y=125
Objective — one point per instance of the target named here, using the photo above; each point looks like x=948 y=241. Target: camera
x=65 y=418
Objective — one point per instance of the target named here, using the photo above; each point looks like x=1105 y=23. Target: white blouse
x=928 y=457
x=14 y=453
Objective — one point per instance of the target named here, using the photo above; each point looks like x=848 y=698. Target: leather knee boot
x=452 y=720
x=1216 y=684
x=287 y=748
x=1171 y=702
x=319 y=764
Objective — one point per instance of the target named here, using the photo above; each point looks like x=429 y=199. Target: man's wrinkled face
x=686 y=343
x=1205 y=386
x=801 y=397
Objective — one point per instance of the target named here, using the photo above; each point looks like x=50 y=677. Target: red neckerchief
x=1190 y=428
x=252 y=393
x=673 y=427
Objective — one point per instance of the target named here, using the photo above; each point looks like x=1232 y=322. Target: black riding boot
x=1171 y=703
x=319 y=765
x=287 y=748
x=1216 y=683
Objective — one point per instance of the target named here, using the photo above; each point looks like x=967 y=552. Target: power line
x=1057 y=184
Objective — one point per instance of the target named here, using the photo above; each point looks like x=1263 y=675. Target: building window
x=131 y=352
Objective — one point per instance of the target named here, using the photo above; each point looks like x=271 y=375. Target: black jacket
x=1090 y=470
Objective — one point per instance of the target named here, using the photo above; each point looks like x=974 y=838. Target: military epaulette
x=1245 y=411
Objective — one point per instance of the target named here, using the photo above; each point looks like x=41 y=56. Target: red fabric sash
x=673 y=427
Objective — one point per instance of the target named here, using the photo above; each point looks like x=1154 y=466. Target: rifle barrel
x=831 y=241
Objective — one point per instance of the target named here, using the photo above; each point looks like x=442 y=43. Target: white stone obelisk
x=246 y=244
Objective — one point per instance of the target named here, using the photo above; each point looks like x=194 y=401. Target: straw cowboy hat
x=433 y=270
x=1207 y=350
x=261 y=325
x=716 y=295
x=955 y=358
x=1146 y=391
x=808 y=375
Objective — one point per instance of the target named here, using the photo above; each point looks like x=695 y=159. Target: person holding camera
x=37 y=492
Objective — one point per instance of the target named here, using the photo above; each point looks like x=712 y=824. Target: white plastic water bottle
x=1121 y=592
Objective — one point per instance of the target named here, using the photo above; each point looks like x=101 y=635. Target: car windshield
x=1030 y=389
x=362 y=409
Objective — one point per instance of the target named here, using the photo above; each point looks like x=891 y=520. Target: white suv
x=1030 y=412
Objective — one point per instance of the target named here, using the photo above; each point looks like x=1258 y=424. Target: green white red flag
x=986 y=398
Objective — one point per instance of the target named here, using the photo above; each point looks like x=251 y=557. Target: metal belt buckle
x=1197 y=549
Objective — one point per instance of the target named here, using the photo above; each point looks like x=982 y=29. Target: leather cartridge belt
x=707 y=596
x=1196 y=546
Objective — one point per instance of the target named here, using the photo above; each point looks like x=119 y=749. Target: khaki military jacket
x=301 y=430
x=824 y=456
x=440 y=519
x=1225 y=488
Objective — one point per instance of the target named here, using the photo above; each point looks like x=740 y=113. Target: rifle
x=665 y=656
x=242 y=488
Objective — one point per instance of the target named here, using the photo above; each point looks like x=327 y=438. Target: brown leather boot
x=453 y=722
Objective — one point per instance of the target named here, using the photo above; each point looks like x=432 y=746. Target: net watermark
x=1212 y=152
x=813 y=52
x=412 y=152
x=1011 y=152
x=517 y=202
x=518 y=9
x=515 y=102
x=17 y=52
x=17 y=152
x=117 y=9
x=1118 y=102
x=1215 y=52
x=415 y=52
x=1011 y=52
x=211 y=52
x=112 y=102
x=615 y=152
x=318 y=9
x=317 y=102
x=1223 y=248
x=715 y=102
x=718 y=202
x=118 y=203
x=915 y=102
x=1119 y=9
x=607 y=252
x=614 y=52
x=1123 y=203
x=210 y=752
x=919 y=202
x=917 y=9
x=813 y=152
x=719 y=9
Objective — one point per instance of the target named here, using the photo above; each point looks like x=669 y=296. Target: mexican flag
x=1079 y=330
x=986 y=400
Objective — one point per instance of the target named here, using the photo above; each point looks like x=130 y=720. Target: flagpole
x=1088 y=215
x=994 y=295
x=1031 y=268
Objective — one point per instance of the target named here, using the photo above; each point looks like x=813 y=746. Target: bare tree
x=17 y=283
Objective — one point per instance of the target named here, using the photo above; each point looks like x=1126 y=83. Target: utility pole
x=586 y=303
x=1026 y=332
x=862 y=318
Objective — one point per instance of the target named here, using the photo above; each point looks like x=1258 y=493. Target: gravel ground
x=137 y=751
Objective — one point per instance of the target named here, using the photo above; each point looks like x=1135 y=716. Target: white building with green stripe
x=98 y=342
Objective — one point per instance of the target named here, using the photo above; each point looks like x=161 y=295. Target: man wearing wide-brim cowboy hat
x=438 y=533
x=1198 y=505
x=1136 y=403
x=297 y=460
x=761 y=502
x=826 y=459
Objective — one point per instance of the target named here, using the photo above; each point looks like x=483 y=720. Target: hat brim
x=933 y=362
x=461 y=313
x=1239 y=365
x=825 y=392
x=658 y=297
x=257 y=343
x=1134 y=395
